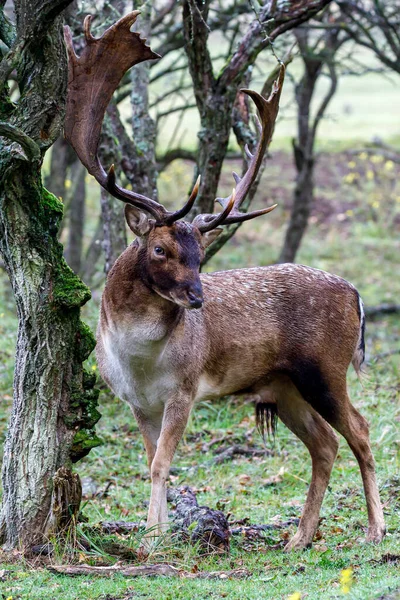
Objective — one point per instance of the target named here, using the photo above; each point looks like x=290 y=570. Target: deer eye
x=159 y=251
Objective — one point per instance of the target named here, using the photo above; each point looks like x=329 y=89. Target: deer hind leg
x=322 y=444
x=355 y=429
x=329 y=398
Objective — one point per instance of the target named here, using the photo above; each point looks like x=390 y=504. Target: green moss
x=69 y=291
x=83 y=402
x=51 y=202
x=85 y=341
x=83 y=442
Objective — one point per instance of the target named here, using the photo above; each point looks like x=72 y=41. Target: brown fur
x=286 y=333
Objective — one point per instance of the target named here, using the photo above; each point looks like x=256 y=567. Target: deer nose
x=195 y=300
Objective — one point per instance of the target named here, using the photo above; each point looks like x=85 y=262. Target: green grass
x=354 y=232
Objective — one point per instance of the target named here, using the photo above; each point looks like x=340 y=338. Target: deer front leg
x=174 y=421
x=150 y=428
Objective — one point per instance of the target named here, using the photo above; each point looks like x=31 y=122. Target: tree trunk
x=73 y=252
x=114 y=232
x=93 y=254
x=61 y=155
x=143 y=160
x=303 y=147
x=54 y=406
x=303 y=197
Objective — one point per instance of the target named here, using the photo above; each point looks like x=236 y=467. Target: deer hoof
x=297 y=543
x=376 y=534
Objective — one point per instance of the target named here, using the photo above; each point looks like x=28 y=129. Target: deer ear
x=137 y=221
x=208 y=237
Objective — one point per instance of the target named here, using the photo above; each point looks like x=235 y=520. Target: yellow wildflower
x=68 y=184
x=295 y=596
x=351 y=177
x=346 y=580
x=94 y=367
x=351 y=164
x=389 y=164
x=376 y=159
x=349 y=212
x=363 y=156
x=370 y=175
x=375 y=204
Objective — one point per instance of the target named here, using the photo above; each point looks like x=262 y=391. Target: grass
x=354 y=232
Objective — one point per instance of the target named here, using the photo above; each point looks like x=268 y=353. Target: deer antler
x=93 y=78
x=268 y=110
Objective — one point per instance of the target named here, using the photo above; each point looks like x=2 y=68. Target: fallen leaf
x=244 y=479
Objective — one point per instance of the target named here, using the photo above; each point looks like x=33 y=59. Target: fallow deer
x=169 y=336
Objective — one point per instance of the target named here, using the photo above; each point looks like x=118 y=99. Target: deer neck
x=129 y=303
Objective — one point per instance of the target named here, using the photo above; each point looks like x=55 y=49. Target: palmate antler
x=268 y=111
x=93 y=78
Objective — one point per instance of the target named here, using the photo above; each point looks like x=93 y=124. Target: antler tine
x=142 y=202
x=206 y=223
x=268 y=110
x=179 y=214
x=93 y=78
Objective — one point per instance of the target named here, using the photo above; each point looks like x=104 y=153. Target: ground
x=354 y=232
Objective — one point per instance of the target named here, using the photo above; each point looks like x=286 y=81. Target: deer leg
x=322 y=444
x=355 y=429
x=150 y=428
x=175 y=418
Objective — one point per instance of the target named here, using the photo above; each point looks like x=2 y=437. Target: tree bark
x=303 y=199
x=303 y=146
x=143 y=159
x=76 y=219
x=54 y=405
x=61 y=155
x=93 y=254
x=114 y=233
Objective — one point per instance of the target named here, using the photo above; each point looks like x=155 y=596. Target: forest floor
x=354 y=232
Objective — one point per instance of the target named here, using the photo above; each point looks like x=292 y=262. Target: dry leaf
x=244 y=479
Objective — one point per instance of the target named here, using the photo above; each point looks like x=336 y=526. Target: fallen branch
x=258 y=531
x=381 y=309
x=237 y=450
x=122 y=527
x=164 y=570
x=199 y=524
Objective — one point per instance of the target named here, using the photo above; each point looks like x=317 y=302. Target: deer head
x=171 y=250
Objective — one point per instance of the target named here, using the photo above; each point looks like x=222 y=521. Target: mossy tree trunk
x=54 y=406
